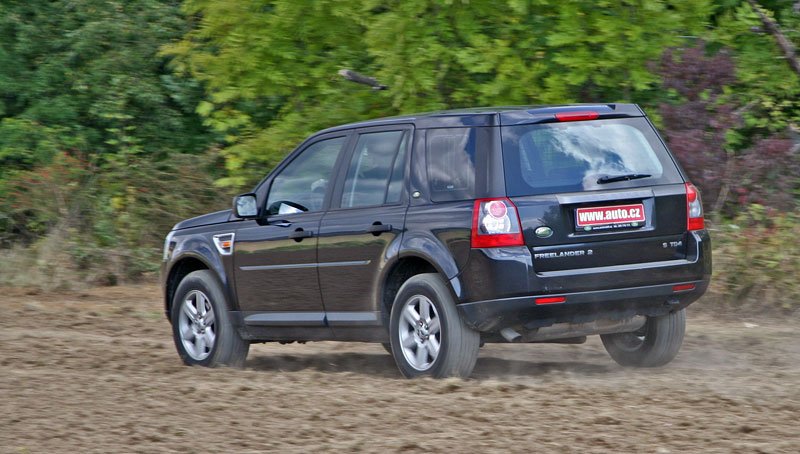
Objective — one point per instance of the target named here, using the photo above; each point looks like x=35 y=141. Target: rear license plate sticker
x=611 y=217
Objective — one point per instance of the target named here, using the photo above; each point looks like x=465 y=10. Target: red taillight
x=682 y=287
x=577 y=116
x=495 y=223
x=551 y=300
x=694 y=209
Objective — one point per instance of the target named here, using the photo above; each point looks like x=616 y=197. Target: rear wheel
x=428 y=337
x=201 y=327
x=654 y=344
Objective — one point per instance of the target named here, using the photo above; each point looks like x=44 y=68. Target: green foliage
x=117 y=117
x=93 y=131
x=25 y=144
x=767 y=86
x=88 y=72
x=271 y=66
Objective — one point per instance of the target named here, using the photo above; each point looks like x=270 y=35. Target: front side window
x=375 y=174
x=301 y=185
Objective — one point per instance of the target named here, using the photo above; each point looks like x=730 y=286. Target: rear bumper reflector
x=682 y=287
x=551 y=300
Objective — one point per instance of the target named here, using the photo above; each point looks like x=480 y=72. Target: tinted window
x=564 y=157
x=301 y=185
x=374 y=163
x=451 y=163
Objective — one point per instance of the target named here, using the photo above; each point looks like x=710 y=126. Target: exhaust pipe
x=510 y=334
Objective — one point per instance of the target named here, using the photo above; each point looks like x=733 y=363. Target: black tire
x=228 y=348
x=457 y=343
x=654 y=345
x=387 y=346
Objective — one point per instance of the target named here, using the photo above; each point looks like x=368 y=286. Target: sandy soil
x=97 y=372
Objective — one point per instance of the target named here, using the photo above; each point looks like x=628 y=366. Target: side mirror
x=245 y=206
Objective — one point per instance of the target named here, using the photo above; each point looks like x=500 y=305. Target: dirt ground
x=97 y=372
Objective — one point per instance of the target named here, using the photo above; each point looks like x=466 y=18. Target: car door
x=276 y=256
x=363 y=227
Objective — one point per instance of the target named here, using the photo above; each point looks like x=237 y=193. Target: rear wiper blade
x=631 y=176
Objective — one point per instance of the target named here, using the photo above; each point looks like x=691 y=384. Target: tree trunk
x=361 y=79
x=774 y=29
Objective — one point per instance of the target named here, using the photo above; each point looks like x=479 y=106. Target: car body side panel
x=275 y=272
x=351 y=259
x=440 y=233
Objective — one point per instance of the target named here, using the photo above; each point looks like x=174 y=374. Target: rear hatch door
x=595 y=193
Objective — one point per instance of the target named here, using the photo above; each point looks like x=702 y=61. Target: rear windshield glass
x=584 y=156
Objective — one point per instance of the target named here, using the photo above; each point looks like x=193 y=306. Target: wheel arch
x=181 y=268
x=407 y=265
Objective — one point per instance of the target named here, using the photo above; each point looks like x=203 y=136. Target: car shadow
x=382 y=365
x=493 y=367
x=377 y=364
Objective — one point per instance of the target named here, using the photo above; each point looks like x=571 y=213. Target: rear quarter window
x=451 y=155
x=573 y=156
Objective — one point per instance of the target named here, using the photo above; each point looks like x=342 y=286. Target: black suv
x=435 y=233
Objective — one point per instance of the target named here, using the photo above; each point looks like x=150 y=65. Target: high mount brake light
x=577 y=116
x=694 y=209
x=495 y=223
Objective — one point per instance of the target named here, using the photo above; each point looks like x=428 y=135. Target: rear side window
x=578 y=156
x=451 y=163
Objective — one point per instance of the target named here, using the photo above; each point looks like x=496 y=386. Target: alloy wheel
x=196 y=325
x=420 y=332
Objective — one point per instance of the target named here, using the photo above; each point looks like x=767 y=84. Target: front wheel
x=653 y=345
x=428 y=337
x=201 y=326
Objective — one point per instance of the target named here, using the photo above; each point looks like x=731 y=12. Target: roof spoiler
x=577 y=112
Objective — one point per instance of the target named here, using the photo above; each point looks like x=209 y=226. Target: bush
x=733 y=165
x=757 y=260
x=68 y=223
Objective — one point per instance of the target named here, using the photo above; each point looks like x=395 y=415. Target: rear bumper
x=580 y=307
x=499 y=288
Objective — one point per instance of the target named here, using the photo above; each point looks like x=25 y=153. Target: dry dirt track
x=97 y=372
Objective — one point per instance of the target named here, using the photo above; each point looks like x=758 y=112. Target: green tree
x=86 y=74
x=100 y=143
x=270 y=66
x=767 y=86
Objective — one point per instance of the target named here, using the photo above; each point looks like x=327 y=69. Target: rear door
x=596 y=193
x=363 y=225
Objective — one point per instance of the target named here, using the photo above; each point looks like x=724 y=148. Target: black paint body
x=334 y=283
